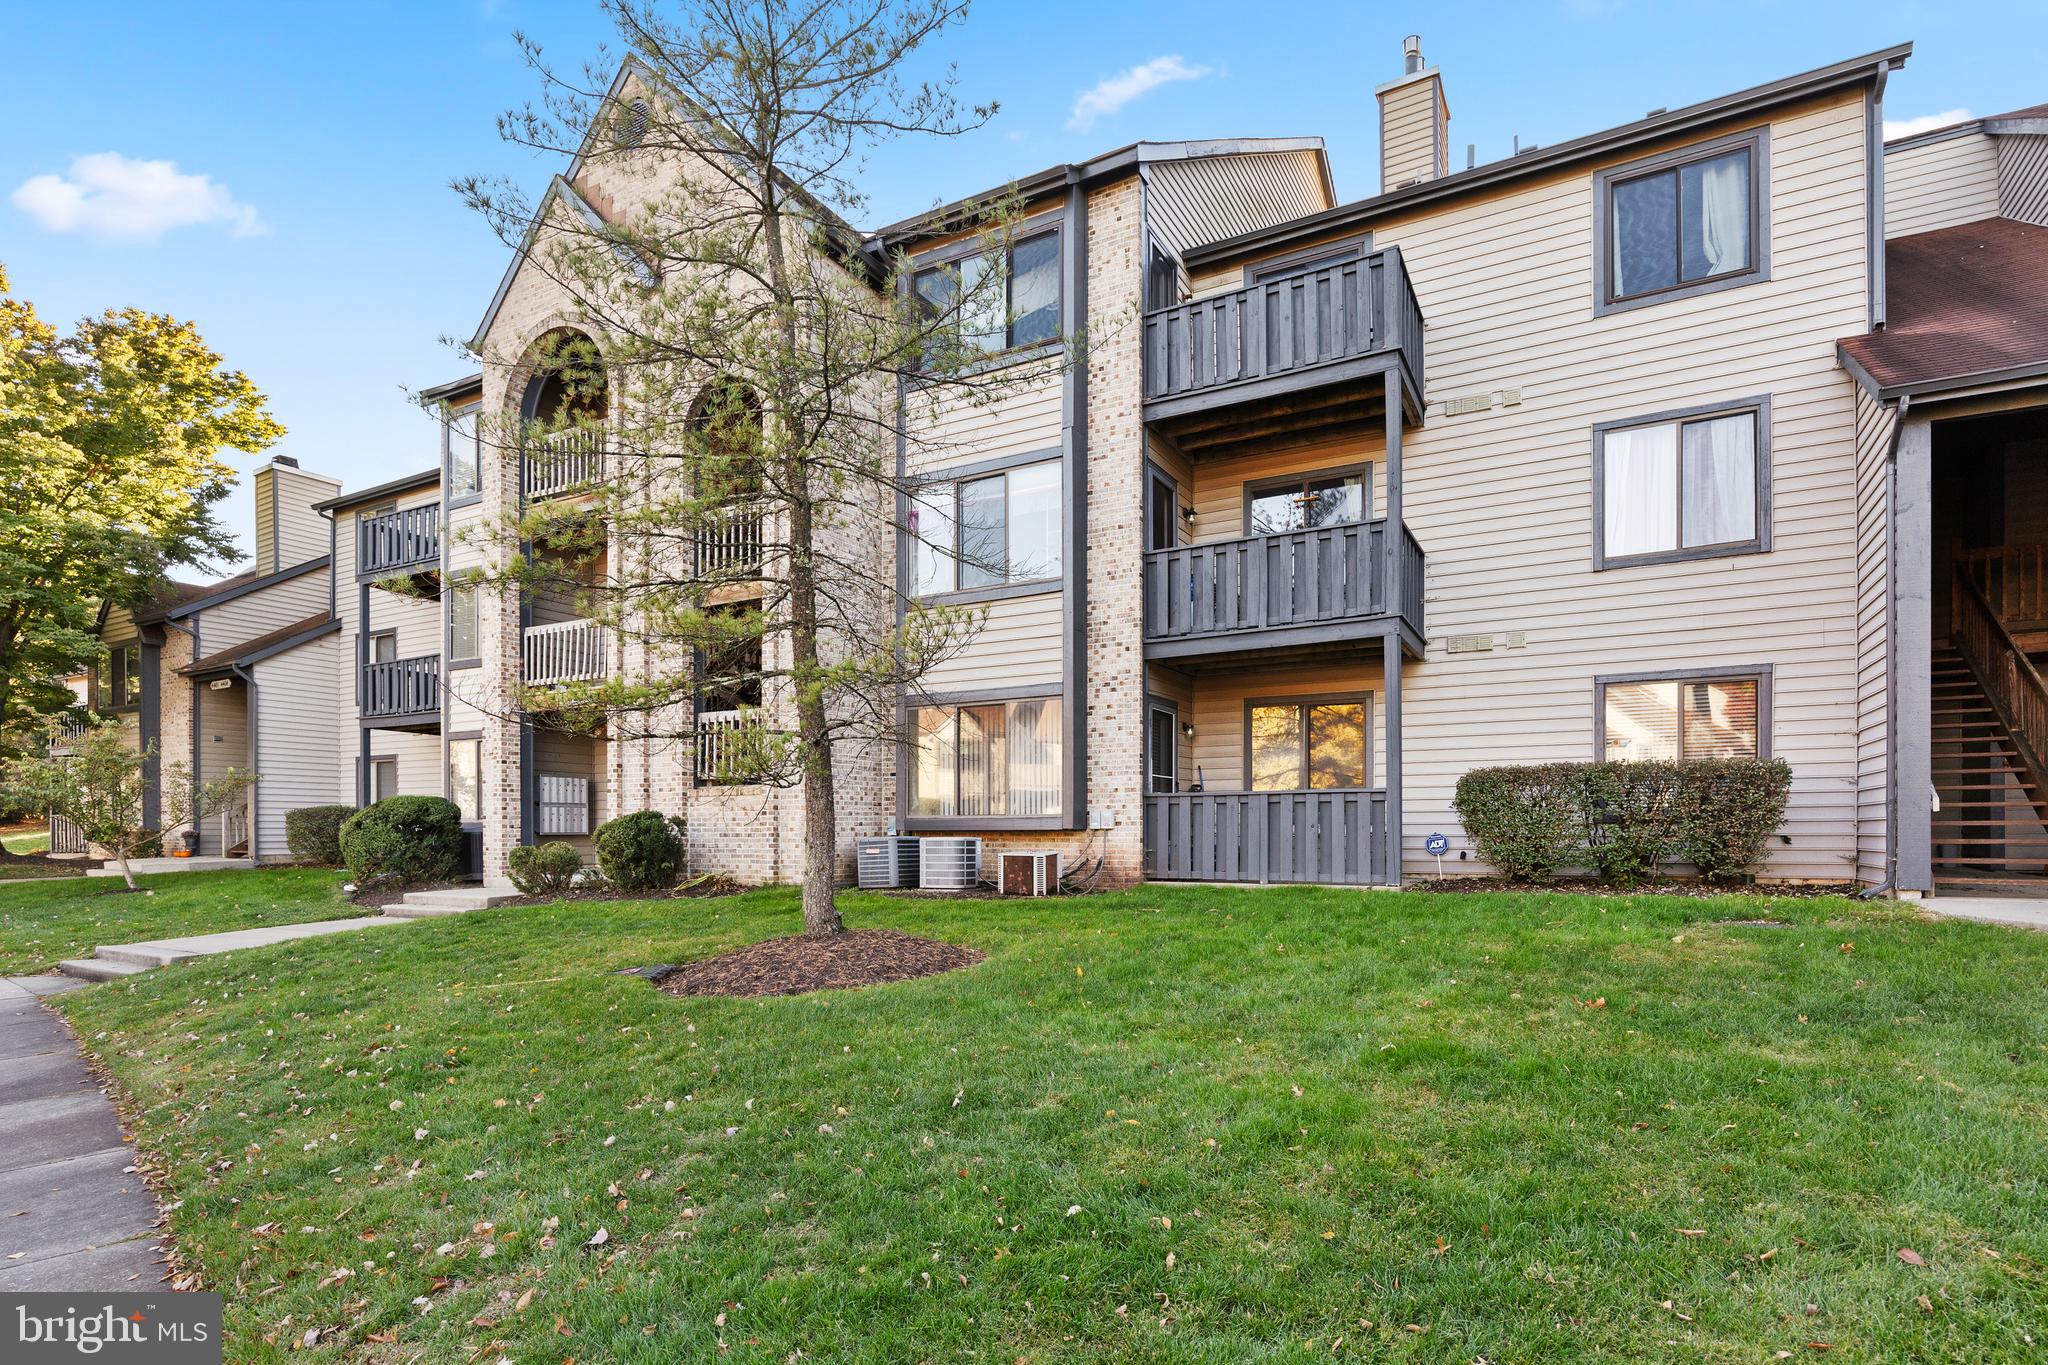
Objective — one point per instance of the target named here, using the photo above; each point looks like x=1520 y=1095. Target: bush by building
x=404 y=839
x=313 y=833
x=640 y=852
x=545 y=869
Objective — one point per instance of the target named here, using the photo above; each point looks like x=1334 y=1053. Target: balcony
x=724 y=745
x=565 y=652
x=561 y=463
x=402 y=693
x=1292 y=589
x=405 y=541
x=1293 y=356
x=729 y=546
x=1332 y=837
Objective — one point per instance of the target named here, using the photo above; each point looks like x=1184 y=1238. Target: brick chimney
x=288 y=530
x=1415 y=122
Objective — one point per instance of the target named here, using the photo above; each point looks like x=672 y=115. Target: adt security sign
x=1436 y=845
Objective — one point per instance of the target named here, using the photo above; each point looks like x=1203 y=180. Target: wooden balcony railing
x=722 y=751
x=730 y=546
x=408 y=538
x=1335 y=837
x=562 y=462
x=234 y=831
x=1283 y=326
x=568 y=651
x=2013 y=579
x=2018 y=695
x=402 y=687
x=1289 y=580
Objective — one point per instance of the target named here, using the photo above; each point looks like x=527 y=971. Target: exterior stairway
x=1991 y=832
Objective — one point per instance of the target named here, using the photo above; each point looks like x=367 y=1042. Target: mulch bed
x=1590 y=887
x=695 y=888
x=798 y=964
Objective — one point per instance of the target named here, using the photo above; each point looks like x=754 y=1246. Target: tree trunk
x=121 y=861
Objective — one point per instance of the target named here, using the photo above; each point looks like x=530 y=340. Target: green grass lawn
x=1187 y=1125
x=43 y=923
x=26 y=841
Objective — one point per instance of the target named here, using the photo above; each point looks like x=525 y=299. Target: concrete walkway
x=2020 y=912
x=110 y=960
x=73 y=1212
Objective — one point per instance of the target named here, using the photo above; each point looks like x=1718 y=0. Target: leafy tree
x=745 y=357
x=98 y=787
x=111 y=441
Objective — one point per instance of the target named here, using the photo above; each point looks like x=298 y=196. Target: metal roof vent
x=631 y=128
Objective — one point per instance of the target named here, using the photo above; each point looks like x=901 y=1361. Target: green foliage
x=404 y=839
x=111 y=442
x=1625 y=819
x=545 y=869
x=1727 y=811
x=313 y=833
x=641 y=852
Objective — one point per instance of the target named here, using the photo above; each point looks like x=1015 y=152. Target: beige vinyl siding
x=266 y=524
x=258 y=613
x=301 y=532
x=1502 y=500
x=295 y=699
x=1940 y=184
x=1875 y=423
x=1193 y=202
x=2023 y=177
x=1408 y=149
x=1017 y=645
x=1217 y=754
x=222 y=722
x=946 y=429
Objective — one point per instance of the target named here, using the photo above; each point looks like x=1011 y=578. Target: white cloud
x=1114 y=92
x=110 y=195
x=1926 y=123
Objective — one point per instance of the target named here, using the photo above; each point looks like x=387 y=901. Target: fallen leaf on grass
x=1692 y=1232
x=1911 y=1257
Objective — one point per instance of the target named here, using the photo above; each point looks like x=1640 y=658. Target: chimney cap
x=288 y=461
x=1411 y=54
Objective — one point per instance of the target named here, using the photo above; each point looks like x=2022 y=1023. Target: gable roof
x=405 y=483
x=1966 y=305
x=1648 y=129
x=263 y=646
x=195 y=597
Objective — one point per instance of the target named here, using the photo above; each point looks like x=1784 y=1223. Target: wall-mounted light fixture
x=1187 y=728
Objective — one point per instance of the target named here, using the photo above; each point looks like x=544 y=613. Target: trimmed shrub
x=1728 y=808
x=313 y=833
x=545 y=869
x=1627 y=820
x=1525 y=821
x=640 y=852
x=409 y=838
x=1627 y=817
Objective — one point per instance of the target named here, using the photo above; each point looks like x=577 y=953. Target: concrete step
x=140 y=956
x=454 y=899
x=92 y=969
x=139 y=866
x=403 y=911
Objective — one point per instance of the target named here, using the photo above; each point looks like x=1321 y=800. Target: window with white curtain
x=979 y=312
x=991 y=759
x=986 y=532
x=1681 y=486
x=1683 y=223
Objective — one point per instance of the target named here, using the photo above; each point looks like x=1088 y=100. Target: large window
x=1681 y=485
x=465 y=471
x=1682 y=223
x=1306 y=502
x=465 y=777
x=982 y=533
x=1316 y=742
x=987 y=304
x=1713 y=715
x=120 y=681
x=464 y=644
x=996 y=759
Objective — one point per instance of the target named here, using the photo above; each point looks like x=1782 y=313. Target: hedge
x=1625 y=819
x=313 y=833
x=404 y=839
x=640 y=852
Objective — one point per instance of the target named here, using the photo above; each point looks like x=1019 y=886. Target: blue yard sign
x=1436 y=845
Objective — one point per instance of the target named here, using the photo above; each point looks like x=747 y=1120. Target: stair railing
x=2010 y=681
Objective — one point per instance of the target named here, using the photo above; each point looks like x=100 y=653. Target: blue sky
x=329 y=259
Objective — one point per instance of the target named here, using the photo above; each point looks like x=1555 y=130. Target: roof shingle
x=1961 y=303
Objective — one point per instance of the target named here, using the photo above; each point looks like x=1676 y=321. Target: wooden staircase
x=1989 y=749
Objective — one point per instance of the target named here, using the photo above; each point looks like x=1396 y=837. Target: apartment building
x=1720 y=432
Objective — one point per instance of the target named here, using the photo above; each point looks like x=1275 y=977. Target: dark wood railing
x=1292 y=578
x=1285 y=324
x=402 y=687
x=2009 y=679
x=404 y=539
x=1329 y=837
x=2013 y=579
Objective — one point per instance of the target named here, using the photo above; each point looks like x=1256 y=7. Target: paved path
x=110 y=960
x=73 y=1212
x=2021 y=912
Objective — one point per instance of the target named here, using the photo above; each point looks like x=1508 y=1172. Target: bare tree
x=744 y=366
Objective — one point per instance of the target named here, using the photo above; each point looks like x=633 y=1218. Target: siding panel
x=1940 y=184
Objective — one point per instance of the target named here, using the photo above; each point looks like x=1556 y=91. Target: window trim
x=954 y=701
x=1052 y=225
x=1758 y=544
x=1254 y=487
x=1155 y=707
x=387 y=763
x=456 y=583
x=1758 y=142
x=1342 y=251
x=448 y=418
x=1760 y=674
x=1009 y=587
x=475 y=737
x=1302 y=704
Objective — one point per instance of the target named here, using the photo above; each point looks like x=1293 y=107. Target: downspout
x=1889 y=885
x=255 y=750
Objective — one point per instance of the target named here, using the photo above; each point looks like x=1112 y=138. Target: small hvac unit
x=1030 y=874
x=949 y=864
x=890 y=861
